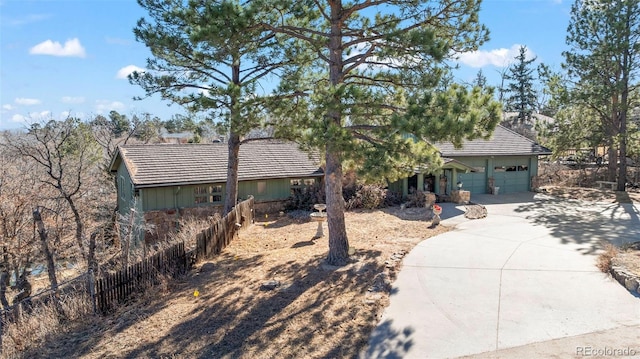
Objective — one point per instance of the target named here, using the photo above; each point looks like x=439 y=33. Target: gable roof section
x=182 y=164
x=503 y=142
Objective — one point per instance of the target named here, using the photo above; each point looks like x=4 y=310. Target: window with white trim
x=208 y=194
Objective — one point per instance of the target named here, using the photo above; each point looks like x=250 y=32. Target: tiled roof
x=503 y=142
x=174 y=164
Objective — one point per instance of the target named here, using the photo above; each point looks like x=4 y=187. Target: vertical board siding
x=116 y=288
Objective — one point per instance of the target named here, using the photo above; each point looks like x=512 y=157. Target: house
x=505 y=163
x=163 y=182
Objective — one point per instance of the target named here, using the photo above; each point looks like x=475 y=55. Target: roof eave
x=113 y=164
x=221 y=180
x=476 y=154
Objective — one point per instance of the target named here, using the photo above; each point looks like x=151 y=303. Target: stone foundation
x=461 y=197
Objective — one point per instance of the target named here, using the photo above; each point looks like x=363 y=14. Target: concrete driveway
x=525 y=274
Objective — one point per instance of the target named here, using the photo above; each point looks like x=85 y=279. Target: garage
x=512 y=174
x=506 y=160
x=476 y=181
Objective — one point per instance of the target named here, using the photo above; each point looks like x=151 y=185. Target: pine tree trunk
x=338 y=241
x=231 y=190
x=612 y=167
x=622 y=169
x=624 y=102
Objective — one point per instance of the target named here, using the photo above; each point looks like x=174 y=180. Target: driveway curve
x=525 y=274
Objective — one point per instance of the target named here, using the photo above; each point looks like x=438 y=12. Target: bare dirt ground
x=269 y=294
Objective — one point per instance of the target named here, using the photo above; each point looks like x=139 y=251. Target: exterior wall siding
x=125 y=190
x=510 y=173
x=475 y=182
x=265 y=190
x=160 y=198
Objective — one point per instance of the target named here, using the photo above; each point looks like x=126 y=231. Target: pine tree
x=521 y=95
x=603 y=64
x=211 y=57
x=480 y=80
x=375 y=93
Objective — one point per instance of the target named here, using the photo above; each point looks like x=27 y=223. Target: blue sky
x=72 y=56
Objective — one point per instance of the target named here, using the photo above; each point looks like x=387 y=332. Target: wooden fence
x=116 y=288
x=214 y=239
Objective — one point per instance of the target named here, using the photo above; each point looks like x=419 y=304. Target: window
x=208 y=194
x=499 y=168
x=523 y=168
x=480 y=169
x=300 y=185
x=296 y=186
x=262 y=187
x=216 y=192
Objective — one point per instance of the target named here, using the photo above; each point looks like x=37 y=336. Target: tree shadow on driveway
x=589 y=225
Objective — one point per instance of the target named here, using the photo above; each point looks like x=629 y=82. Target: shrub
x=305 y=198
x=370 y=197
x=417 y=199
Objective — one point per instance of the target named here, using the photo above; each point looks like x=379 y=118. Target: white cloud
x=18 y=118
x=42 y=114
x=7 y=107
x=72 y=100
x=27 y=101
x=127 y=70
x=498 y=57
x=104 y=106
x=31 y=117
x=71 y=48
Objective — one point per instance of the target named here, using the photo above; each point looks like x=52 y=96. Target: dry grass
x=629 y=258
x=315 y=311
x=31 y=329
x=604 y=259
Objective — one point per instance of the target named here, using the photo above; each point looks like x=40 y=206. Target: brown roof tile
x=503 y=142
x=172 y=164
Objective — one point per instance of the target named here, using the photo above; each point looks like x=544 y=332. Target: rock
x=381 y=283
x=270 y=285
x=631 y=284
